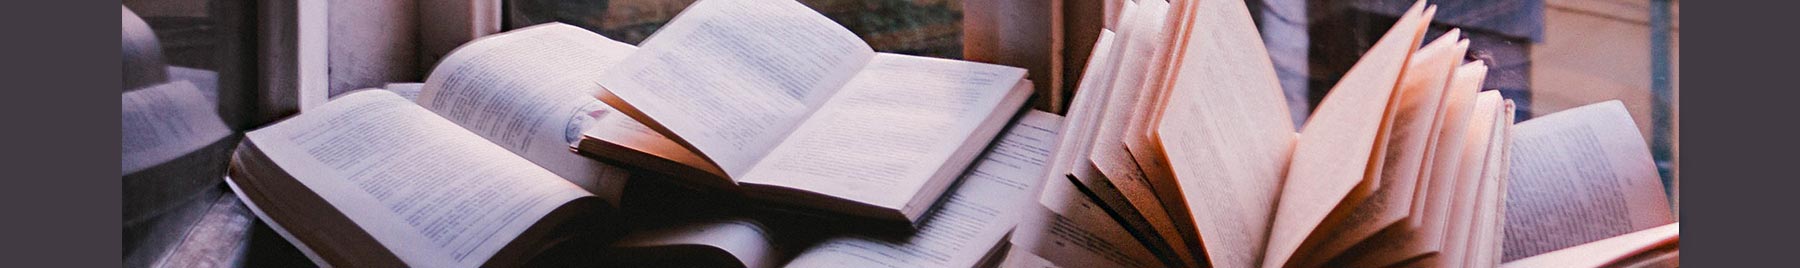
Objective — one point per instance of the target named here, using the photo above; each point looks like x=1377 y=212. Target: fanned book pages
x=782 y=104
x=1104 y=171
x=1406 y=162
x=969 y=225
x=475 y=172
x=1108 y=165
x=1419 y=94
x=1217 y=147
x=1068 y=165
x=1335 y=162
x=1069 y=229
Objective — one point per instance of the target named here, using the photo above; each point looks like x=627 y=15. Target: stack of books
x=1178 y=150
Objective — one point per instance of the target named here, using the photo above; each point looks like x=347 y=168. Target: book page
x=1442 y=117
x=1096 y=86
x=731 y=78
x=1144 y=36
x=1070 y=230
x=1226 y=136
x=1332 y=160
x=1420 y=92
x=1177 y=27
x=1484 y=246
x=1084 y=107
x=1580 y=175
x=1605 y=251
x=1080 y=129
x=1472 y=236
x=991 y=198
x=889 y=130
x=1448 y=167
x=1141 y=40
x=531 y=91
x=1476 y=151
x=1099 y=81
x=1398 y=244
x=435 y=194
x=161 y=122
x=744 y=239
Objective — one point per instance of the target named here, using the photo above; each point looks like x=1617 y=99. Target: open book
x=1581 y=175
x=1192 y=150
x=970 y=224
x=476 y=172
x=781 y=103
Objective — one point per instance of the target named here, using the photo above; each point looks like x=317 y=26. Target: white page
x=970 y=220
x=435 y=194
x=1578 y=176
x=1101 y=85
x=1084 y=107
x=731 y=78
x=889 y=130
x=1485 y=242
x=1483 y=125
x=531 y=91
x=1108 y=154
x=162 y=122
x=744 y=239
x=1222 y=136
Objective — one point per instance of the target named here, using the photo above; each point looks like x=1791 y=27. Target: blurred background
x=248 y=63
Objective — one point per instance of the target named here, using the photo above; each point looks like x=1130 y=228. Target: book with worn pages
x=779 y=103
x=475 y=172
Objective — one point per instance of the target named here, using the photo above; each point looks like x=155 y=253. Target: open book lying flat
x=371 y=178
x=780 y=103
x=475 y=172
